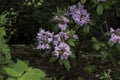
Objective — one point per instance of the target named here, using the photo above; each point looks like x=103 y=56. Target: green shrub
x=21 y=71
x=4 y=50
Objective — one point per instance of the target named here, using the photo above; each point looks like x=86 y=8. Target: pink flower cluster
x=60 y=41
x=60 y=37
x=61 y=48
x=115 y=35
x=79 y=14
x=62 y=22
x=44 y=39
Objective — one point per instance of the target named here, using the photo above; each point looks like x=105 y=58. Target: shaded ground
x=79 y=68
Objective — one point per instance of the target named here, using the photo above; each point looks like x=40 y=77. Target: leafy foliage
x=4 y=50
x=21 y=71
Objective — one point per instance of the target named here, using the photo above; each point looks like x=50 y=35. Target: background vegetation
x=94 y=57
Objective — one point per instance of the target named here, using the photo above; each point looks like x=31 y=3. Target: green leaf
x=20 y=67
x=11 y=79
x=19 y=79
x=40 y=73
x=47 y=78
x=94 y=39
x=3 y=19
x=34 y=74
x=92 y=22
x=11 y=72
x=95 y=1
x=104 y=55
x=30 y=69
x=52 y=59
x=61 y=62
x=71 y=32
x=113 y=59
x=111 y=2
x=90 y=69
x=86 y=29
x=111 y=43
x=71 y=42
x=1 y=77
x=71 y=21
x=55 y=28
x=107 y=33
x=2 y=32
x=96 y=46
x=118 y=47
x=72 y=55
x=62 y=78
x=79 y=78
x=67 y=64
x=99 y=9
x=83 y=1
x=76 y=27
x=106 y=6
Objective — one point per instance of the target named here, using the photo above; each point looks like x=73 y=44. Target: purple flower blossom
x=75 y=36
x=66 y=13
x=57 y=39
x=64 y=19
x=63 y=27
x=62 y=50
x=97 y=75
x=79 y=14
x=62 y=22
x=61 y=19
x=62 y=36
x=56 y=18
x=43 y=46
x=44 y=38
x=115 y=35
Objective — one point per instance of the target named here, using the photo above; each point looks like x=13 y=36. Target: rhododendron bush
x=82 y=30
x=79 y=37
